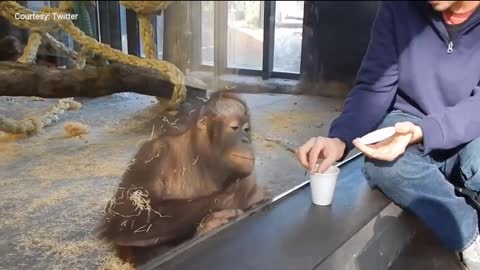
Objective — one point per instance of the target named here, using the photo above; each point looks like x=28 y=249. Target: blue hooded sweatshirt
x=412 y=65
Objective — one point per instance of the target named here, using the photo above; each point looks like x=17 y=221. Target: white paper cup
x=322 y=185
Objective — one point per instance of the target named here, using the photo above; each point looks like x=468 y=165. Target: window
x=245 y=34
x=288 y=36
x=234 y=31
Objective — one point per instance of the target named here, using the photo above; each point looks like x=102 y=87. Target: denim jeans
x=424 y=185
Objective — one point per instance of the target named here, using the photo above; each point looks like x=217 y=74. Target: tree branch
x=36 y=80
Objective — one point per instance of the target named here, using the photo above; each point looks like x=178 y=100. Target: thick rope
x=30 y=51
x=32 y=125
x=146 y=35
x=65 y=6
x=144 y=10
x=146 y=7
x=34 y=41
x=167 y=70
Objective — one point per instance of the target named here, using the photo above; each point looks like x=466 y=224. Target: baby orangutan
x=185 y=183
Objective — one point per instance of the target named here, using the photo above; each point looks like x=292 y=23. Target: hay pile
x=75 y=129
x=114 y=263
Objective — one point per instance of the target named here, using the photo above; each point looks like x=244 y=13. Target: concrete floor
x=53 y=190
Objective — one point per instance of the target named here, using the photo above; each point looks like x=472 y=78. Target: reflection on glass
x=159 y=29
x=207 y=32
x=142 y=54
x=245 y=34
x=288 y=36
x=69 y=42
x=123 y=28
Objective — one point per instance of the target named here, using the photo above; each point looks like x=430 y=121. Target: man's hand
x=406 y=133
x=328 y=149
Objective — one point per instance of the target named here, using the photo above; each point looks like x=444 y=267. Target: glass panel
x=245 y=34
x=288 y=36
x=207 y=18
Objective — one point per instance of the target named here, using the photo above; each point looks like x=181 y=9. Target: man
x=421 y=74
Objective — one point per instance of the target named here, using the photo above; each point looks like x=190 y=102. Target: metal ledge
x=288 y=233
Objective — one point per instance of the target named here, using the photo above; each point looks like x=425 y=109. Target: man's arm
x=455 y=126
x=376 y=85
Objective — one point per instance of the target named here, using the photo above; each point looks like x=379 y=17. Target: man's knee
x=382 y=174
x=404 y=171
x=470 y=164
